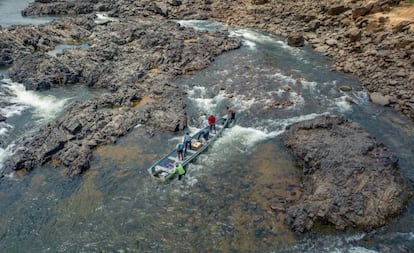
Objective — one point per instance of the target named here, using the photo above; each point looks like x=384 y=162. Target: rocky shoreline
x=133 y=60
x=136 y=54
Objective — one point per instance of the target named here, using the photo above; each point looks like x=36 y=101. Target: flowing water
x=229 y=199
x=10 y=13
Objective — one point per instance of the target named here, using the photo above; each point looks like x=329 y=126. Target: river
x=225 y=202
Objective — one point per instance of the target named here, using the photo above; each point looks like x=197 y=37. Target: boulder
x=345 y=88
x=349 y=180
x=378 y=98
x=296 y=40
x=354 y=34
x=360 y=11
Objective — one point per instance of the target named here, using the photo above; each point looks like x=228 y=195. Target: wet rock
x=361 y=11
x=349 y=179
x=2 y=118
x=296 y=40
x=345 y=88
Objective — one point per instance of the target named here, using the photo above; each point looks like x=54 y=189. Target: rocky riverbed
x=136 y=53
x=133 y=59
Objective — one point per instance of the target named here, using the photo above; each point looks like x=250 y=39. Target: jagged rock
x=122 y=58
x=348 y=178
x=361 y=11
x=402 y=27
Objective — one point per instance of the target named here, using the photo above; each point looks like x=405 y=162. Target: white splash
x=360 y=250
x=44 y=106
x=284 y=78
x=203 y=101
x=4 y=128
x=103 y=18
x=309 y=84
x=4 y=154
x=253 y=36
x=360 y=98
x=342 y=104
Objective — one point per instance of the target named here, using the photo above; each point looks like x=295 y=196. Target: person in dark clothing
x=205 y=133
x=231 y=115
x=180 y=150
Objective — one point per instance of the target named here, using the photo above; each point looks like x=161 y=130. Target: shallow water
x=230 y=196
x=10 y=14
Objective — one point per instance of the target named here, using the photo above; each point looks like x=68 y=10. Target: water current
x=227 y=200
x=10 y=13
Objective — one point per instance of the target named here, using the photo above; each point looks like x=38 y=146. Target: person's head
x=187 y=133
x=227 y=107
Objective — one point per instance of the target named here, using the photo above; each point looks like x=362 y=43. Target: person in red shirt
x=212 y=123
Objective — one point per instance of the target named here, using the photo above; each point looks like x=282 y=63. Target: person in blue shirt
x=205 y=133
x=186 y=142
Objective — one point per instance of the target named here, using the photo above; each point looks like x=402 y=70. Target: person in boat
x=186 y=142
x=231 y=114
x=180 y=150
x=212 y=123
x=203 y=133
x=178 y=168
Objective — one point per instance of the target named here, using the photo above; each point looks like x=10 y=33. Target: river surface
x=10 y=13
x=228 y=200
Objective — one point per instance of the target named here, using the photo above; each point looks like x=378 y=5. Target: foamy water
x=19 y=101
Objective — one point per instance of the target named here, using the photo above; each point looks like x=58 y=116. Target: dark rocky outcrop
x=133 y=59
x=348 y=178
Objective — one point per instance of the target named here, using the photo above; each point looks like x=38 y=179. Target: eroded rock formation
x=348 y=178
